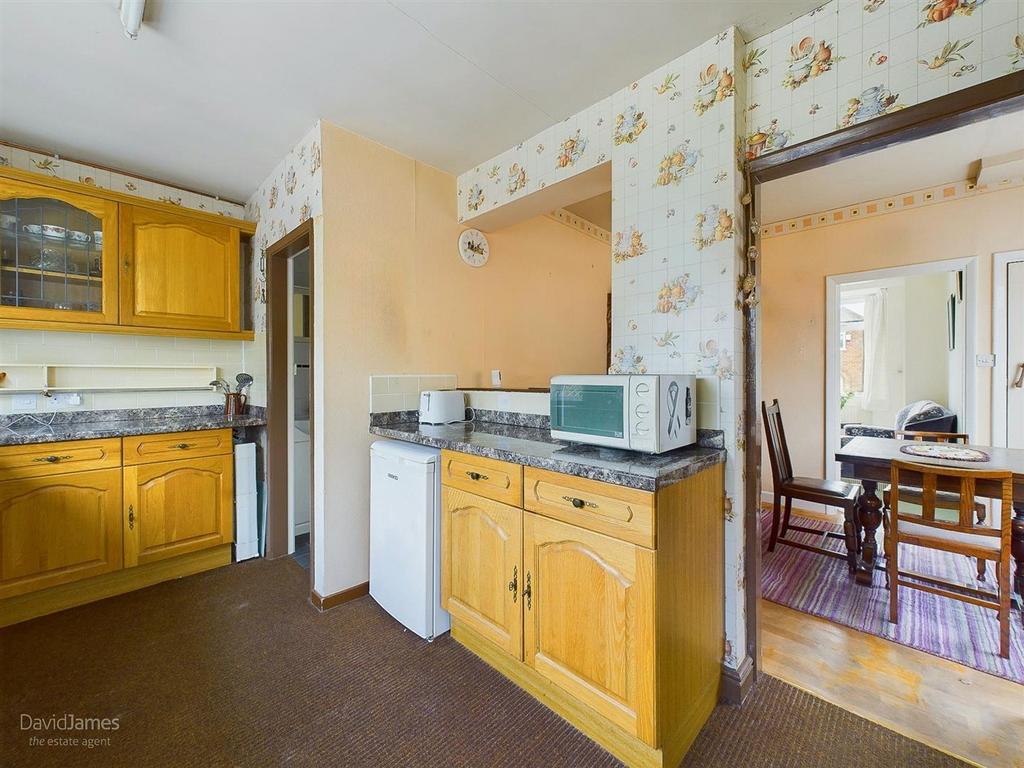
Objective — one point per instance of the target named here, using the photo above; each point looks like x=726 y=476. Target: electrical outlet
x=985 y=361
x=496 y=378
x=67 y=398
x=22 y=403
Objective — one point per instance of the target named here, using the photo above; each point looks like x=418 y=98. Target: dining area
x=919 y=541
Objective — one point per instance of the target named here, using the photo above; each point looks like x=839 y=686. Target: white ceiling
x=213 y=94
x=928 y=162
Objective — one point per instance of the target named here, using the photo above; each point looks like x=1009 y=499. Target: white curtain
x=877 y=368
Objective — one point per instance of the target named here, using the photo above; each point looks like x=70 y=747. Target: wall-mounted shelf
x=23 y=378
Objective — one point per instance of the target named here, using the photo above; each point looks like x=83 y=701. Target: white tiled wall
x=537 y=403
x=887 y=47
x=401 y=392
x=117 y=349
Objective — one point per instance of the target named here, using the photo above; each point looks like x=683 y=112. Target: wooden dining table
x=869 y=460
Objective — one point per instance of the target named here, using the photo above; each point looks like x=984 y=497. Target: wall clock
x=473 y=247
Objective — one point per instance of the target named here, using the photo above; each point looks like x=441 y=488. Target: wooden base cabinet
x=589 y=625
x=79 y=518
x=480 y=569
x=59 y=528
x=175 y=507
x=625 y=641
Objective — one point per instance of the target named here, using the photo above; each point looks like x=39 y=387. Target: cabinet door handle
x=579 y=503
x=131 y=517
x=477 y=476
x=513 y=586
x=1019 y=381
x=52 y=459
x=528 y=593
x=127 y=265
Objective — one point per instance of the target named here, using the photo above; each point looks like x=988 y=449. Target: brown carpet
x=234 y=668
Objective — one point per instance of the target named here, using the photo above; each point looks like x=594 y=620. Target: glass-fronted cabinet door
x=58 y=255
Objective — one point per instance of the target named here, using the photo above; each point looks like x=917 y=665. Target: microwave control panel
x=643 y=412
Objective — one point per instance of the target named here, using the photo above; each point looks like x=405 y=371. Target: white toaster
x=442 y=406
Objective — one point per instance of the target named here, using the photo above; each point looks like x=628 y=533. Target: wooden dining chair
x=833 y=493
x=963 y=536
x=943 y=500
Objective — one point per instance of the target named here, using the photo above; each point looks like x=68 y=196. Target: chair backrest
x=933 y=437
x=778 y=451
x=935 y=478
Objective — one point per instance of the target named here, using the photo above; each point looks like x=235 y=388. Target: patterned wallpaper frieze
x=95 y=176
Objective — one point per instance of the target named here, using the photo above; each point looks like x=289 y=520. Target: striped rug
x=954 y=630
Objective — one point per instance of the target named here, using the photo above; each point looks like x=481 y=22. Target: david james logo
x=69 y=730
x=69 y=722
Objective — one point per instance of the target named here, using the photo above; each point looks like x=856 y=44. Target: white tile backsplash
x=401 y=392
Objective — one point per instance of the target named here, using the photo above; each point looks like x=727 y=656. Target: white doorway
x=896 y=336
x=1008 y=346
x=300 y=327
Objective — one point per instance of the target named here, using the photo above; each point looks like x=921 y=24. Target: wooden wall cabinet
x=576 y=604
x=178 y=272
x=82 y=520
x=78 y=258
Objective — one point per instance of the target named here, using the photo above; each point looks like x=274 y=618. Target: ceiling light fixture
x=132 y=12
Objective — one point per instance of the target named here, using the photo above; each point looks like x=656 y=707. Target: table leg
x=1017 y=549
x=869 y=513
x=852 y=538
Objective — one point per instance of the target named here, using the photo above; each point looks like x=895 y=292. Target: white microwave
x=654 y=414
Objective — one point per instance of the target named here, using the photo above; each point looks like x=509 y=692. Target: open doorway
x=291 y=404
x=897 y=343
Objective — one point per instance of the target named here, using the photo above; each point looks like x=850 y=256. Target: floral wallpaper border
x=291 y=194
x=84 y=173
x=884 y=205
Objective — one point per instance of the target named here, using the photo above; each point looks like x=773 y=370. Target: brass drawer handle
x=185 y=446
x=477 y=476
x=513 y=586
x=52 y=459
x=579 y=503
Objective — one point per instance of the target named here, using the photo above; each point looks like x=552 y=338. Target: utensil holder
x=235 y=404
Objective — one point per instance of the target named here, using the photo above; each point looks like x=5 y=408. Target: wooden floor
x=972 y=715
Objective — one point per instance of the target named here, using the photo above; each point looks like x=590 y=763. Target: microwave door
x=590 y=413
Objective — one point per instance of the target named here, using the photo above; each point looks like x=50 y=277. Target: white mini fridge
x=405 y=535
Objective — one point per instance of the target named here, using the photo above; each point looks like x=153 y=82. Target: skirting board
x=322 y=603
x=737 y=683
x=33 y=604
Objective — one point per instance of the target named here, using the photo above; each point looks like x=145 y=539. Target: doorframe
x=1003 y=95
x=279 y=389
x=833 y=284
x=1001 y=261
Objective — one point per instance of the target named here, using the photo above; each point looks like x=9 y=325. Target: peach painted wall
x=397 y=298
x=793 y=299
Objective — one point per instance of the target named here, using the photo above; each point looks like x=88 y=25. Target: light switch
x=985 y=361
x=496 y=378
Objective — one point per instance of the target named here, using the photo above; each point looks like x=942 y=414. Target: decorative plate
x=944 y=451
x=473 y=247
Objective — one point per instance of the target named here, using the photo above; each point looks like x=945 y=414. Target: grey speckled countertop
x=28 y=429
x=536 y=448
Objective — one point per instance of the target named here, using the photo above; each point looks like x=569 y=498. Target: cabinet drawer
x=41 y=459
x=493 y=479
x=624 y=513
x=144 y=449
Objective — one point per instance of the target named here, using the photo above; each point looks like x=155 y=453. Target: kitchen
x=472 y=262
